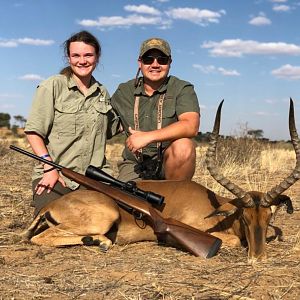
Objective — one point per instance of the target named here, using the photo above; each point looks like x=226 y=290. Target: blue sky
x=246 y=52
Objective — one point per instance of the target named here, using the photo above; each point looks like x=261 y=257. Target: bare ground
x=136 y=271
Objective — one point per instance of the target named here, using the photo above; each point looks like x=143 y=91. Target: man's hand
x=186 y=127
x=138 y=139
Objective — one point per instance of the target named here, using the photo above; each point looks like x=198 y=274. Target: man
x=160 y=114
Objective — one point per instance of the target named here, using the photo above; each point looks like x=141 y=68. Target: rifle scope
x=130 y=186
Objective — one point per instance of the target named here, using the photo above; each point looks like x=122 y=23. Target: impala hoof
x=104 y=246
x=87 y=241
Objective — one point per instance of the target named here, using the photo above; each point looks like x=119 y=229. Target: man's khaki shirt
x=74 y=126
x=180 y=97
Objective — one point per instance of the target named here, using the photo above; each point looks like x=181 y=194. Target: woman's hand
x=51 y=176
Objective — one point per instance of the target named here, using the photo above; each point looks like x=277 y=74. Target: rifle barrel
x=45 y=161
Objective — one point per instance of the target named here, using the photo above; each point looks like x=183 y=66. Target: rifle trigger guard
x=137 y=215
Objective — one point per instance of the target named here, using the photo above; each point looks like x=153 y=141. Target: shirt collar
x=71 y=82
x=94 y=84
x=140 y=90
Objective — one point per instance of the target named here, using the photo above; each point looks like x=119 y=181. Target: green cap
x=155 y=43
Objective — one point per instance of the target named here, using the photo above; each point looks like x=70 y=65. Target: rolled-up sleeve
x=187 y=100
x=42 y=112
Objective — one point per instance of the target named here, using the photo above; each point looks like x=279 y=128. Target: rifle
x=130 y=186
x=168 y=230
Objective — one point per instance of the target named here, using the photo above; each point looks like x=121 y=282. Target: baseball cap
x=155 y=43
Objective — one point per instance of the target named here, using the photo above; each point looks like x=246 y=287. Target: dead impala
x=89 y=217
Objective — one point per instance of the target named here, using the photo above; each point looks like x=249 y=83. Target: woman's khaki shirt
x=74 y=126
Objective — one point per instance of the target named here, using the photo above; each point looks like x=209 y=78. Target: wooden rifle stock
x=168 y=230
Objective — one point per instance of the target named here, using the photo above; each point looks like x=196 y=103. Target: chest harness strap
x=159 y=124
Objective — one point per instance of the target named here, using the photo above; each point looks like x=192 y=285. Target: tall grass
x=4 y=144
x=252 y=164
x=4 y=148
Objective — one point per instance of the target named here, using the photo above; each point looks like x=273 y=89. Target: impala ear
x=281 y=200
x=284 y=200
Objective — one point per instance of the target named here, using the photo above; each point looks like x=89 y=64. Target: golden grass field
x=145 y=270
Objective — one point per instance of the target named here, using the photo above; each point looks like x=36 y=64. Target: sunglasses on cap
x=148 y=60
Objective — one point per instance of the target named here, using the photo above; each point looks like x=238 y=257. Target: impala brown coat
x=89 y=217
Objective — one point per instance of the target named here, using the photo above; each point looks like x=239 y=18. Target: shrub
x=240 y=151
x=3 y=148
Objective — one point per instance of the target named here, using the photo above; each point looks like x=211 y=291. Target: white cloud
x=238 y=48
x=8 y=44
x=195 y=15
x=212 y=69
x=270 y=101
x=31 y=77
x=281 y=8
x=205 y=69
x=142 y=9
x=279 y=1
x=118 y=21
x=228 y=72
x=262 y=113
x=287 y=72
x=147 y=15
x=35 y=42
x=10 y=96
x=260 y=20
x=7 y=106
x=24 y=41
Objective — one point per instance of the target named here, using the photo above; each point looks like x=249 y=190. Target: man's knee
x=180 y=160
x=181 y=150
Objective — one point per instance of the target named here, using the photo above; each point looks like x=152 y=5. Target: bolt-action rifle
x=167 y=230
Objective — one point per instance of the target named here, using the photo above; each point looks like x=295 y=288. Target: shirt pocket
x=169 y=114
x=65 y=120
x=101 y=108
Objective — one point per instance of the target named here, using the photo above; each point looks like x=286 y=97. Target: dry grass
x=145 y=270
x=254 y=168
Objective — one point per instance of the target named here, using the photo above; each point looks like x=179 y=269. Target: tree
x=21 y=120
x=4 y=120
x=256 y=133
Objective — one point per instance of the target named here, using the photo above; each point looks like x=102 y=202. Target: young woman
x=70 y=120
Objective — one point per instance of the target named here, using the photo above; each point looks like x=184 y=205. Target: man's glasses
x=148 y=60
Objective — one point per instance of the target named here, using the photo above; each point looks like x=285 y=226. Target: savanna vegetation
x=145 y=270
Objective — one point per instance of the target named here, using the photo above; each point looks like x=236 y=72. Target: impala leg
x=228 y=240
x=28 y=233
x=61 y=236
